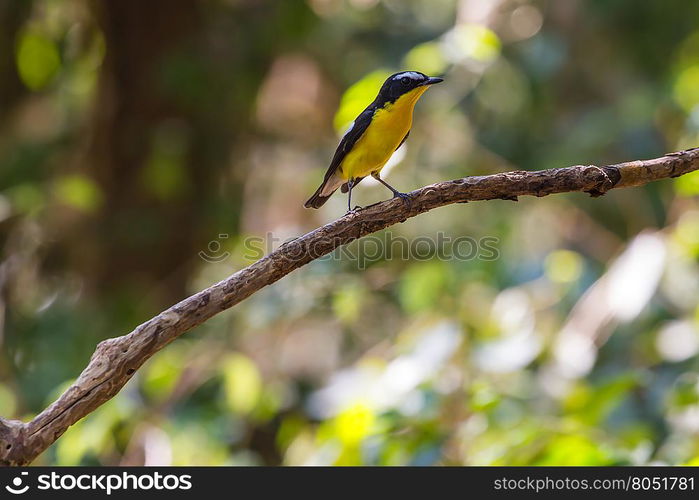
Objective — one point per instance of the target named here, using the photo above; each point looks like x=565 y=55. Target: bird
x=373 y=137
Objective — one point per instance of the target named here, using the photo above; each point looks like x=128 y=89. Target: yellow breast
x=388 y=127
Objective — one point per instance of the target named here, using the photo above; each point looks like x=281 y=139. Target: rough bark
x=116 y=360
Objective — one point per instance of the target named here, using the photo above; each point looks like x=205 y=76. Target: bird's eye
x=405 y=80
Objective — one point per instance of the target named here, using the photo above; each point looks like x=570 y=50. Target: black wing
x=349 y=140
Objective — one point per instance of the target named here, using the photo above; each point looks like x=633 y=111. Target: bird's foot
x=403 y=196
x=354 y=210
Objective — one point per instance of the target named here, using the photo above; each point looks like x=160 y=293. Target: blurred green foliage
x=145 y=144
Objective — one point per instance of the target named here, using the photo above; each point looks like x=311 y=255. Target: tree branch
x=116 y=360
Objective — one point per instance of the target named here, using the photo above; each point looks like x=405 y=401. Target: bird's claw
x=354 y=210
x=403 y=196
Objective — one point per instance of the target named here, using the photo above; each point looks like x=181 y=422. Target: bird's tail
x=317 y=200
x=324 y=191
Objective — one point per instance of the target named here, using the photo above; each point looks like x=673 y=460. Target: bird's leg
x=350 y=185
x=396 y=194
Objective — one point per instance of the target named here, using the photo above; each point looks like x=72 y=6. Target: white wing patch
x=347 y=131
x=410 y=74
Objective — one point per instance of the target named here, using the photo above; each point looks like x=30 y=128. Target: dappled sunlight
x=618 y=296
x=386 y=384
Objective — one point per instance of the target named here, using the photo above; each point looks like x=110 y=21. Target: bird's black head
x=401 y=83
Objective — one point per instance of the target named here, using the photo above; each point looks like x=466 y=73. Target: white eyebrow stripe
x=409 y=74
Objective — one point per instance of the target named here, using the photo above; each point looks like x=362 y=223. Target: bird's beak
x=432 y=81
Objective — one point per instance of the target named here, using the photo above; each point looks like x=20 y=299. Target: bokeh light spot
x=526 y=21
x=79 y=192
x=686 y=89
x=354 y=424
x=242 y=383
x=677 y=341
x=427 y=58
x=688 y=185
x=8 y=402
x=472 y=41
x=563 y=266
x=37 y=60
x=358 y=97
